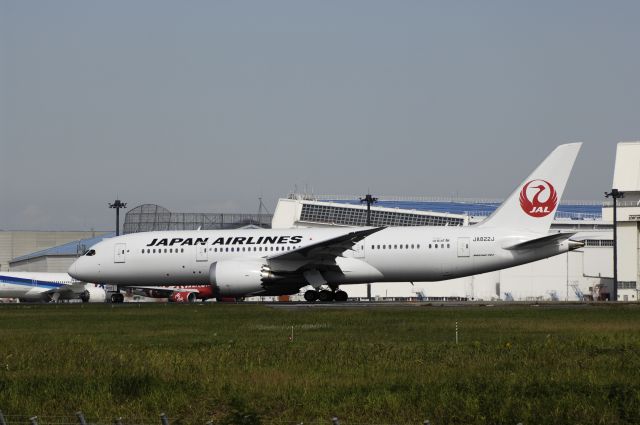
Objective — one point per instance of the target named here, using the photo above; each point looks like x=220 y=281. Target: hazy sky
x=202 y=106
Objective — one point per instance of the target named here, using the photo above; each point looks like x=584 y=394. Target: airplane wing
x=161 y=291
x=178 y=295
x=67 y=290
x=320 y=253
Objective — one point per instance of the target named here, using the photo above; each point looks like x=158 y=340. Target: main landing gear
x=325 y=295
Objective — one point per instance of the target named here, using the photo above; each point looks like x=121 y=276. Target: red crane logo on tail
x=534 y=206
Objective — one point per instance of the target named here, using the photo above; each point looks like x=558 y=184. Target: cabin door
x=463 y=247
x=119 y=253
x=201 y=253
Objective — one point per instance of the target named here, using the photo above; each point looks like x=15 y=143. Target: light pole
x=369 y=200
x=615 y=194
x=117 y=205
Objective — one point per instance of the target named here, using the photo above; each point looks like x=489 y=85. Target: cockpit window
x=90 y=253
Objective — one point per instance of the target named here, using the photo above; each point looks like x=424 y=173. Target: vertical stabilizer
x=532 y=205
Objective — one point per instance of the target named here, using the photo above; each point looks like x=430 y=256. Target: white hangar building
x=626 y=178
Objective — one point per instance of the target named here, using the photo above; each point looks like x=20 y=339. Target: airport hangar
x=579 y=275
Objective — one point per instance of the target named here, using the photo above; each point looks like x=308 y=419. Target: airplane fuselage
x=390 y=255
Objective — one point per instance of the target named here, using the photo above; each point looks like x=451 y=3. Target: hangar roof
x=68 y=249
x=575 y=210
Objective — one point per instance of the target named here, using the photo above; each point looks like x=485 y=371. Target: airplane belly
x=13 y=291
x=353 y=270
x=169 y=271
x=413 y=268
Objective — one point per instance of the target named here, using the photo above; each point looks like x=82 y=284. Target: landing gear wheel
x=117 y=298
x=311 y=295
x=340 y=296
x=85 y=296
x=325 y=296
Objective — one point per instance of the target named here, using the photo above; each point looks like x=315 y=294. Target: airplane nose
x=73 y=270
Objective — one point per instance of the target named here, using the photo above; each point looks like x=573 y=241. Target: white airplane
x=46 y=287
x=250 y=262
x=175 y=294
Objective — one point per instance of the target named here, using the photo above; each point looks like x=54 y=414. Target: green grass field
x=386 y=365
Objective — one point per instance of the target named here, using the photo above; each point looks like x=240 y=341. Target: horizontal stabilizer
x=540 y=242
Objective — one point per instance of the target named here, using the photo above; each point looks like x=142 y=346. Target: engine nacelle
x=237 y=278
x=183 y=297
x=93 y=294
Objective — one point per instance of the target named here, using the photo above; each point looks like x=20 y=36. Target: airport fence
x=244 y=419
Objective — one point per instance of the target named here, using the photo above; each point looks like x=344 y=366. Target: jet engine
x=237 y=278
x=183 y=297
x=93 y=294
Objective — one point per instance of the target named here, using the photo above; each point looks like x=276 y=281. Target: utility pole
x=369 y=200
x=117 y=205
x=615 y=194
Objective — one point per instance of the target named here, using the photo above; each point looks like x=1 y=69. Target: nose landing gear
x=325 y=295
x=117 y=298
